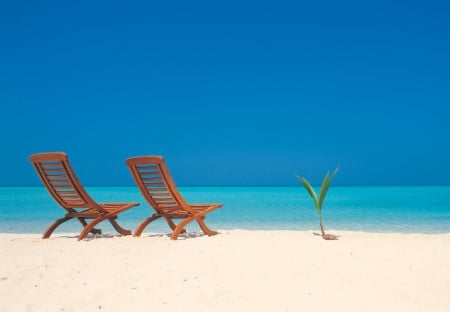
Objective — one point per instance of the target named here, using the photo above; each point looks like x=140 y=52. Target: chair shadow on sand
x=89 y=237
x=183 y=236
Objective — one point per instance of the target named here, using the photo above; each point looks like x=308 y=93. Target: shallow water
x=405 y=209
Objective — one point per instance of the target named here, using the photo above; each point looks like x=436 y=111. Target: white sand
x=233 y=271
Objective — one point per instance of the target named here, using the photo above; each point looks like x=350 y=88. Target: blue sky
x=230 y=93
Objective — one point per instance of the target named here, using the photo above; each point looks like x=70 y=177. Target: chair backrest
x=58 y=176
x=155 y=183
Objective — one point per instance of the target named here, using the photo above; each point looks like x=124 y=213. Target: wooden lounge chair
x=63 y=185
x=156 y=185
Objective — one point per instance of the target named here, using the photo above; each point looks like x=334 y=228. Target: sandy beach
x=237 y=270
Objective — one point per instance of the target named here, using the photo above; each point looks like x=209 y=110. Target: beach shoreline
x=236 y=270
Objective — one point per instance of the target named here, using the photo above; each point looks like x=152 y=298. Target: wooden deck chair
x=63 y=185
x=156 y=185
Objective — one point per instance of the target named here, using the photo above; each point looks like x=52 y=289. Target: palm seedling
x=318 y=201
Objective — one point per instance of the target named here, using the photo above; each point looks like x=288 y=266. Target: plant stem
x=321 y=225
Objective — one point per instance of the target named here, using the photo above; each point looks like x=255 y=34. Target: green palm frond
x=324 y=189
x=326 y=185
x=334 y=173
x=318 y=200
x=310 y=190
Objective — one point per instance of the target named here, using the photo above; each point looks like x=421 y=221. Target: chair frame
x=61 y=182
x=153 y=179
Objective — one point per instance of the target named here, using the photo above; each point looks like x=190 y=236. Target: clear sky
x=230 y=93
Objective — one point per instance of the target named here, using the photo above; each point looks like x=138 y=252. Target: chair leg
x=87 y=229
x=170 y=223
x=205 y=229
x=144 y=223
x=173 y=225
x=54 y=225
x=180 y=227
x=118 y=228
x=84 y=224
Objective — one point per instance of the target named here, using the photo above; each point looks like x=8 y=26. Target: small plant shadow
x=327 y=236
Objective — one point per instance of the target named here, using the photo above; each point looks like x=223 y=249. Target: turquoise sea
x=405 y=209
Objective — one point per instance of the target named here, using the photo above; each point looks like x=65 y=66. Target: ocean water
x=403 y=209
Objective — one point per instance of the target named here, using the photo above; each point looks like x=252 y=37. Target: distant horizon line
x=250 y=185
